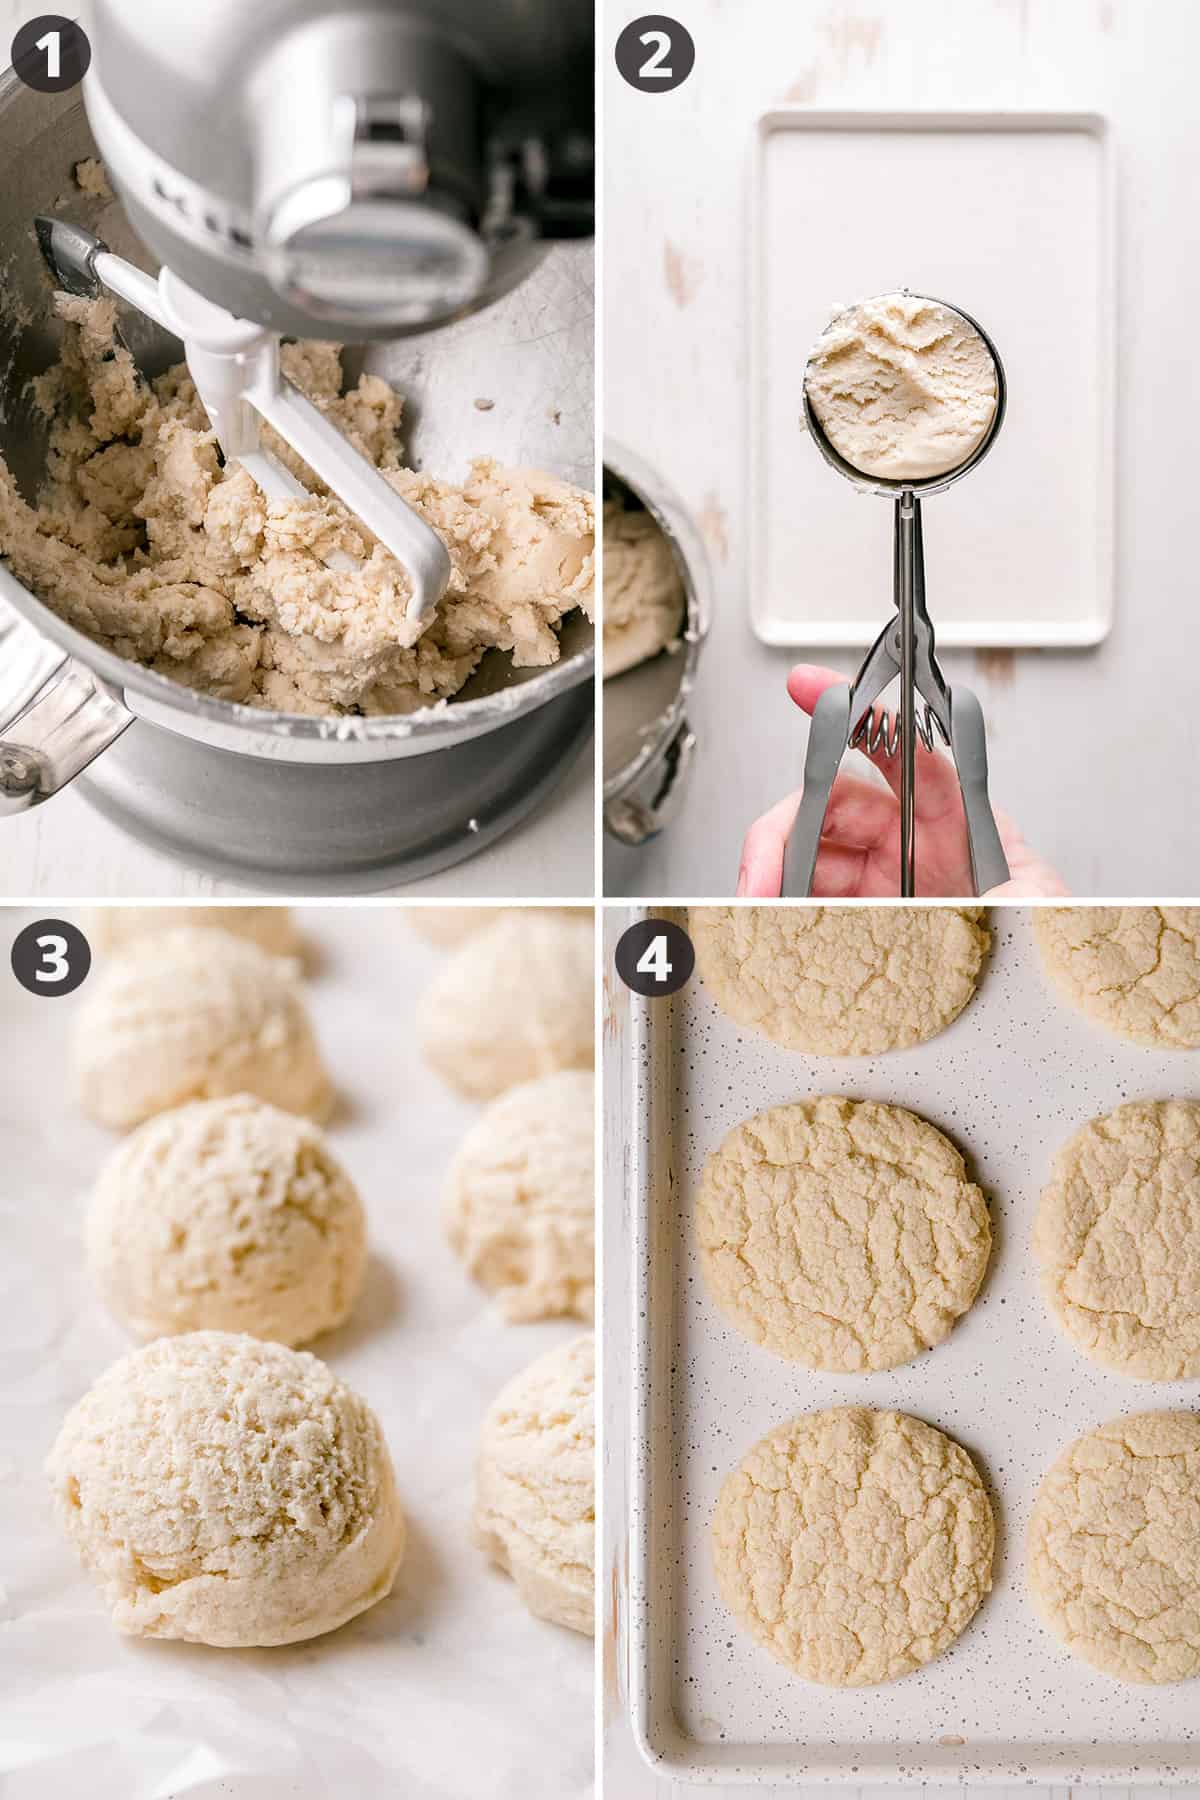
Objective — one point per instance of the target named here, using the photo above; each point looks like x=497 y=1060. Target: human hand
x=859 y=856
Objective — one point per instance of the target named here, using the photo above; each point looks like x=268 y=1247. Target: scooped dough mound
x=1114 y=1547
x=1135 y=970
x=841 y=981
x=854 y=1545
x=192 y=1014
x=643 y=590
x=270 y=927
x=145 y=541
x=227 y=1215
x=514 y=1001
x=448 y=926
x=841 y=1233
x=227 y=1491
x=1117 y=1239
x=535 y=1493
x=520 y=1199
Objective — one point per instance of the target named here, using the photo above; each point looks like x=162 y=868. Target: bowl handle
x=55 y=715
x=641 y=812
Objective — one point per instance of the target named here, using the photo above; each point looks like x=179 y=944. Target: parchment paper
x=448 y=1690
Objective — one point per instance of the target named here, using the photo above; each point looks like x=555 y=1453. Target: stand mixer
x=364 y=172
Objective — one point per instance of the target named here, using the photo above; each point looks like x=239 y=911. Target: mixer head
x=348 y=170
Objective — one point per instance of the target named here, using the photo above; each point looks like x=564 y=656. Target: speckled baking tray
x=1008 y=1082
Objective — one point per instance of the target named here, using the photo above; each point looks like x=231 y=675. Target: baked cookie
x=854 y=1545
x=1135 y=970
x=840 y=1233
x=1117 y=1239
x=1114 y=1547
x=841 y=981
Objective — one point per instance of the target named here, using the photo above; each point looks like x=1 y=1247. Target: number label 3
x=51 y=956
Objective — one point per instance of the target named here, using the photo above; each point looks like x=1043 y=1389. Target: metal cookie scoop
x=845 y=717
x=235 y=366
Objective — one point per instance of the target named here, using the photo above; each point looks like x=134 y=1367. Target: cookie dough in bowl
x=1117 y=1239
x=270 y=927
x=841 y=981
x=1114 y=1547
x=515 y=1001
x=192 y=1014
x=854 y=1545
x=1134 y=970
x=520 y=1198
x=227 y=1491
x=227 y=1215
x=535 y=1493
x=840 y=1233
x=644 y=600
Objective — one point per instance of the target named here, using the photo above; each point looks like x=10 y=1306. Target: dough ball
x=643 y=590
x=1114 y=1547
x=448 y=926
x=270 y=927
x=535 y=1499
x=841 y=981
x=520 y=1200
x=854 y=1545
x=1135 y=970
x=190 y=1014
x=227 y=1491
x=842 y=1234
x=515 y=1001
x=227 y=1215
x=1117 y=1239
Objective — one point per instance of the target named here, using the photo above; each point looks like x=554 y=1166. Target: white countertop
x=1093 y=751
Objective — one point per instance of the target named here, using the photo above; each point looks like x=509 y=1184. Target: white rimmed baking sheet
x=445 y=1690
x=1011 y=217
x=1008 y=1082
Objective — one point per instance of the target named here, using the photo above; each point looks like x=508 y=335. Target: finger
x=839 y=872
x=761 y=872
x=860 y=815
x=936 y=795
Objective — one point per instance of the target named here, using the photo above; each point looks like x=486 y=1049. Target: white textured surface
x=1092 y=751
x=446 y=1691
x=1007 y=1081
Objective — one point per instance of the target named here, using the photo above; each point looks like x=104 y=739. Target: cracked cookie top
x=1134 y=970
x=854 y=1545
x=1114 y=1547
x=839 y=981
x=841 y=1233
x=1117 y=1239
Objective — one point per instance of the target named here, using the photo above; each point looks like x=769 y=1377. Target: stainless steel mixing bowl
x=648 y=742
x=277 y=801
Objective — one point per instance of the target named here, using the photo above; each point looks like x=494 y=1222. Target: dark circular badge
x=655 y=53
x=51 y=956
x=654 y=958
x=51 y=54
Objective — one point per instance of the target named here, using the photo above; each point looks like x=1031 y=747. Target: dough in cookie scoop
x=192 y=1014
x=854 y=1545
x=840 y=1233
x=841 y=981
x=1117 y=1239
x=1135 y=970
x=227 y=1491
x=535 y=1494
x=1114 y=1547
